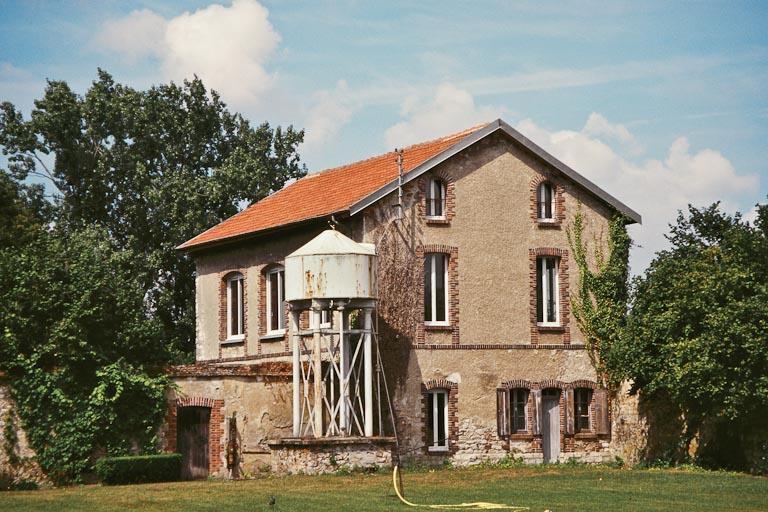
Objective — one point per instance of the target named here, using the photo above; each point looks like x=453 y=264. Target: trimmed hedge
x=139 y=469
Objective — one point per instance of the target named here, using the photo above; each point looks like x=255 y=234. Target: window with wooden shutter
x=602 y=420
x=502 y=414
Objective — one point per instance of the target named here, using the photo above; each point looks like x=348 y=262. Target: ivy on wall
x=599 y=303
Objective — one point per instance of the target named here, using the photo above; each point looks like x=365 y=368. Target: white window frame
x=540 y=214
x=325 y=319
x=544 y=277
x=433 y=184
x=235 y=291
x=280 y=293
x=433 y=287
x=435 y=446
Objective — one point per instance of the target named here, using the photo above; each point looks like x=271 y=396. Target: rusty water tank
x=331 y=266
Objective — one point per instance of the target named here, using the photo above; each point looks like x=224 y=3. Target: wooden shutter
x=569 y=411
x=602 y=422
x=537 y=420
x=502 y=411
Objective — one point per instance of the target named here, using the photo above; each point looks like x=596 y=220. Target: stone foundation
x=318 y=456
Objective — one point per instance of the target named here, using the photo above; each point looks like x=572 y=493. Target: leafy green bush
x=139 y=469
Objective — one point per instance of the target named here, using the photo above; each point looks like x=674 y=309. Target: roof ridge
x=464 y=132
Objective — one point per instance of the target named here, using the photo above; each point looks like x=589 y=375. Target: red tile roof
x=324 y=193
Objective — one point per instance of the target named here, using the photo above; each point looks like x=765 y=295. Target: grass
x=556 y=488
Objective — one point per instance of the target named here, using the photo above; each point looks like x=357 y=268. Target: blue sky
x=660 y=103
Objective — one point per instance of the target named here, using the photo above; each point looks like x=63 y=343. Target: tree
x=698 y=330
x=154 y=168
x=23 y=212
x=81 y=347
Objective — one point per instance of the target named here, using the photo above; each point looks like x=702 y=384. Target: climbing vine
x=600 y=301
x=10 y=438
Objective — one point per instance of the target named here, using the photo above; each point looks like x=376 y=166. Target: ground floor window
x=582 y=398
x=437 y=420
x=518 y=401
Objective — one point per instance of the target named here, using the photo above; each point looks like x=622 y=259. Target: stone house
x=480 y=350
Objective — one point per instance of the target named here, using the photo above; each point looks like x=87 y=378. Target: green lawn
x=556 y=488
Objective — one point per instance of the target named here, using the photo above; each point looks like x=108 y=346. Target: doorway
x=192 y=441
x=550 y=431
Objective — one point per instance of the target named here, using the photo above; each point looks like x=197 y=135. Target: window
x=518 y=398
x=436 y=199
x=582 y=398
x=275 y=298
x=547 y=300
x=437 y=420
x=325 y=319
x=235 y=320
x=545 y=195
x=436 y=289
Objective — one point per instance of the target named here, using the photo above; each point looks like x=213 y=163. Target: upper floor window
x=437 y=420
x=518 y=401
x=547 y=291
x=436 y=199
x=275 y=297
x=545 y=202
x=582 y=398
x=436 y=289
x=325 y=319
x=235 y=307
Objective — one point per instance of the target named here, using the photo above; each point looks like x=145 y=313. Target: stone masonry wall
x=25 y=467
x=314 y=460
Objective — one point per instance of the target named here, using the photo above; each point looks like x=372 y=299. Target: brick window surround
x=559 y=203
x=564 y=294
x=450 y=198
x=224 y=305
x=453 y=292
x=263 y=309
x=215 y=427
x=453 y=417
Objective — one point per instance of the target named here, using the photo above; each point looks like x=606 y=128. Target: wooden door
x=192 y=441
x=550 y=432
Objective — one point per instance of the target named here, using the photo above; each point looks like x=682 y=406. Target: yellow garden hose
x=478 y=505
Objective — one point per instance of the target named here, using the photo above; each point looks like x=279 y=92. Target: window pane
x=274 y=314
x=547 y=201
x=519 y=400
x=540 y=290
x=551 y=295
x=441 y=441
x=280 y=300
x=440 y=287
x=438 y=208
x=233 y=309
x=430 y=418
x=428 y=287
x=240 y=302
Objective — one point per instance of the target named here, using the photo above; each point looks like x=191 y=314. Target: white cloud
x=330 y=111
x=451 y=109
x=598 y=126
x=656 y=188
x=138 y=35
x=225 y=46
